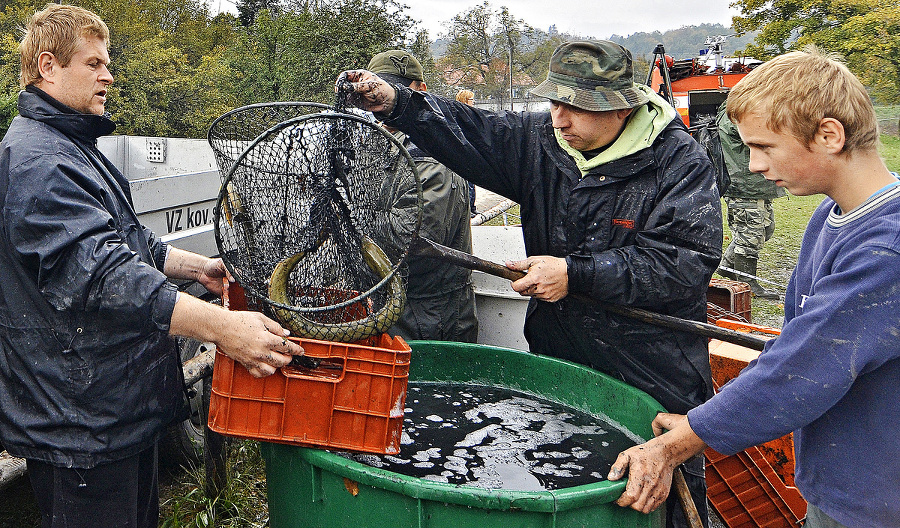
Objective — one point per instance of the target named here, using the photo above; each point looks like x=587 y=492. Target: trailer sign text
x=187 y=218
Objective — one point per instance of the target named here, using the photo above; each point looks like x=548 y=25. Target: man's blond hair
x=56 y=29
x=795 y=91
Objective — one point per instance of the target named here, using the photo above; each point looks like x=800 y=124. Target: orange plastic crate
x=753 y=488
x=746 y=492
x=733 y=296
x=353 y=400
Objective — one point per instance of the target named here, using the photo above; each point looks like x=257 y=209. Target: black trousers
x=695 y=476
x=119 y=494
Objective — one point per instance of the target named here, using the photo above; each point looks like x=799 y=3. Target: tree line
x=178 y=66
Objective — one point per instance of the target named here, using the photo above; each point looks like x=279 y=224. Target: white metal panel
x=501 y=311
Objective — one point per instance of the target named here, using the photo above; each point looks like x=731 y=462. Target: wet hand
x=368 y=91
x=211 y=275
x=546 y=277
x=258 y=343
x=649 y=477
x=650 y=466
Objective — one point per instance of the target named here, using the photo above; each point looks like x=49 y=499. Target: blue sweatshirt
x=833 y=375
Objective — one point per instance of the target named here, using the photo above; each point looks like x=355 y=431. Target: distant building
x=496 y=97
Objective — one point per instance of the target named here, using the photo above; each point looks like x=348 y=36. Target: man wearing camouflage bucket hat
x=593 y=76
x=618 y=204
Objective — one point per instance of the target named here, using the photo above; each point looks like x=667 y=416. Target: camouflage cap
x=397 y=63
x=594 y=75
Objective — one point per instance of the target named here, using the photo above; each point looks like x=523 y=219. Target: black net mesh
x=231 y=134
x=315 y=219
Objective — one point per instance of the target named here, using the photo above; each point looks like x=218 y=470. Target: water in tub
x=496 y=438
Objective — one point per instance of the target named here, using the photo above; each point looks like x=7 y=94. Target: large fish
x=350 y=331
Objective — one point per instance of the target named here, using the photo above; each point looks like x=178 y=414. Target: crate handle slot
x=328 y=369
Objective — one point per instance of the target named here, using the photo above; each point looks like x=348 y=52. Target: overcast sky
x=587 y=18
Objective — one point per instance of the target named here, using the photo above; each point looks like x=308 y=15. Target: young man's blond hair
x=57 y=29
x=799 y=89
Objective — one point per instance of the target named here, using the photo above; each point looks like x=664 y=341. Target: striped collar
x=836 y=219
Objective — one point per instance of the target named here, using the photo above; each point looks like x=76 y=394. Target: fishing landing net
x=315 y=217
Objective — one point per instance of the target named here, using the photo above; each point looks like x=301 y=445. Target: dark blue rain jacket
x=88 y=372
x=644 y=230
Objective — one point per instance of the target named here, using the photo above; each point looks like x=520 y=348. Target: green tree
x=871 y=44
x=484 y=43
x=297 y=55
x=421 y=49
x=248 y=10
x=164 y=58
x=158 y=92
x=13 y=17
x=865 y=32
x=536 y=62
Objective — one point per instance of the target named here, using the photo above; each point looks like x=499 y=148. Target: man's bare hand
x=250 y=338
x=367 y=91
x=257 y=342
x=650 y=466
x=211 y=274
x=547 y=277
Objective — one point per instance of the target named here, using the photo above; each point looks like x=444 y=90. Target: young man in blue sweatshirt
x=831 y=376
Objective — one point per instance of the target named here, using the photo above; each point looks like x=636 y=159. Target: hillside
x=681 y=43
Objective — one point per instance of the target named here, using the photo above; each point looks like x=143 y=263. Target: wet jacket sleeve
x=63 y=230
x=482 y=147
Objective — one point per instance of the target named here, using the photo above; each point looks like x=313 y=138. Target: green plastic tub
x=313 y=488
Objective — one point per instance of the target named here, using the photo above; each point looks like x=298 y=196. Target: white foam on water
x=427 y=454
x=494 y=456
x=477 y=437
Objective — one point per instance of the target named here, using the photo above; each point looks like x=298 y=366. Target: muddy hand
x=546 y=277
x=649 y=477
x=650 y=466
x=258 y=343
x=369 y=91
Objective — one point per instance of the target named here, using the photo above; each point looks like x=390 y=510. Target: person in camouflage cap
x=618 y=203
x=592 y=75
x=440 y=295
x=397 y=66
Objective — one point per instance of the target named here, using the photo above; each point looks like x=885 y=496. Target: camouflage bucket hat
x=397 y=63
x=594 y=75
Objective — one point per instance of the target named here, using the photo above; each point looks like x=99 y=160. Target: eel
x=346 y=332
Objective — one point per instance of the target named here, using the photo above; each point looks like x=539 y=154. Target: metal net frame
x=315 y=220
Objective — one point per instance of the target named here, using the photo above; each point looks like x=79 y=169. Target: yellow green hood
x=644 y=125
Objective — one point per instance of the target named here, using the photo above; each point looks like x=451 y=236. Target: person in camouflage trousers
x=751 y=216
